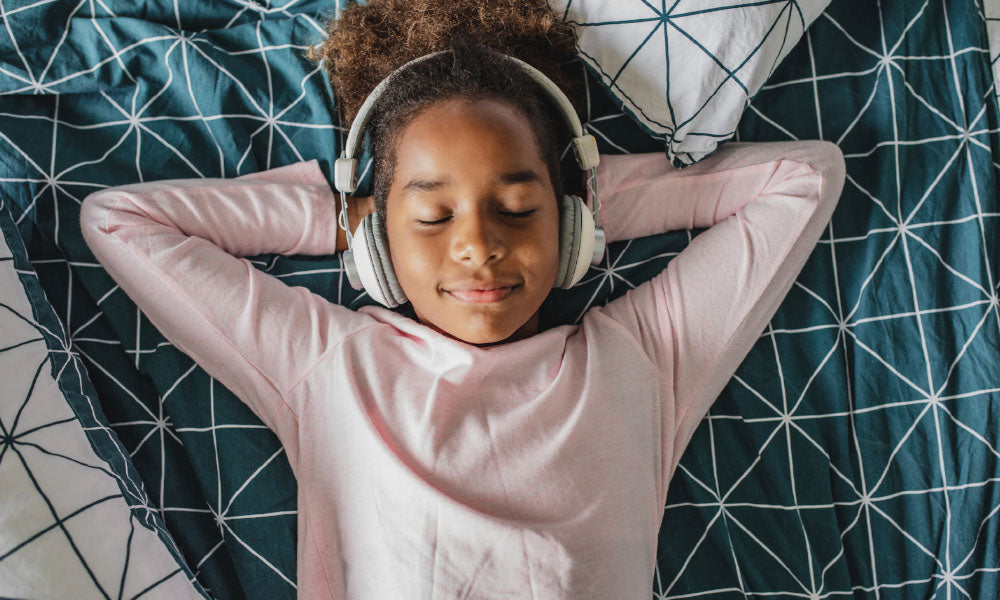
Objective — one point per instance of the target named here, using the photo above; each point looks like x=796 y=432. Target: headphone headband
x=346 y=168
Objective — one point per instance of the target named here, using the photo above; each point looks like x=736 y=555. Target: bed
x=855 y=453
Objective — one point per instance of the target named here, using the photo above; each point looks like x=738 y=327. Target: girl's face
x=464 y=169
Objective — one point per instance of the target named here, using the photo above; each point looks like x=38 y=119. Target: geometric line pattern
x=76 y=519
x=853 y=454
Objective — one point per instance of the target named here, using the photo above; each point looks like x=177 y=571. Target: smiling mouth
x=483 y=296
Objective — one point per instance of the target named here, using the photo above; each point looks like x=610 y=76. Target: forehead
x=487 y=132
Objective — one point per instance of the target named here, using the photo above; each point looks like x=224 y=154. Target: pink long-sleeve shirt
x=429 y=468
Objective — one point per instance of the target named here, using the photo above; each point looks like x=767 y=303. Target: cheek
x=544 y=246
x=414 y=260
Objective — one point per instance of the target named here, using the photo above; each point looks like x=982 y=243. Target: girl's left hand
x=358 y=207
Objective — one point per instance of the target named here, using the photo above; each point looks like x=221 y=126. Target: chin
x=476 y=329
x=481 y=339
x=484 y=336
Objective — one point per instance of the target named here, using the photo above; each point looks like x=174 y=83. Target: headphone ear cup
x=378 y=249
x=570 y=225
x=576 y=242
x=370 y=258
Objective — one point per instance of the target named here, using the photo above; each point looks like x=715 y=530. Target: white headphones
x=581 y=241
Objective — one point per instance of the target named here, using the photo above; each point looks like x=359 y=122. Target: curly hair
x=368 y=42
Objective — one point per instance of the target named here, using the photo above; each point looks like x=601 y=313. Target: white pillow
x=686 y=77
x=75 y=519
x=991 y=10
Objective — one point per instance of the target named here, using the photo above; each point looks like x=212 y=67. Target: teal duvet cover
x=854 y=454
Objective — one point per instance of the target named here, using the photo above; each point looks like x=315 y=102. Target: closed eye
x=518 y=215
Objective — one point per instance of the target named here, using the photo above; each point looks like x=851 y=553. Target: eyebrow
x=425 y=185
x=429 y=185
x=522 y=176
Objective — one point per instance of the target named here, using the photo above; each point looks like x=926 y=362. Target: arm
x=173 y=247
x=766 y=205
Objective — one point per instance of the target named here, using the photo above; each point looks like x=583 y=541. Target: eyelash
x=519 y=215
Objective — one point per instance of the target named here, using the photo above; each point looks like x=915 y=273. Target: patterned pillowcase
x=686 y=70
x=75 y=519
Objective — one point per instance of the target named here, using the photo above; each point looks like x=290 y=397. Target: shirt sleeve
x=174 y=247
x=766 y=205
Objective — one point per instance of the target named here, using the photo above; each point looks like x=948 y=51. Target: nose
x=477 y=239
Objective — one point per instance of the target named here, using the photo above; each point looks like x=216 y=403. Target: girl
x=466 y=454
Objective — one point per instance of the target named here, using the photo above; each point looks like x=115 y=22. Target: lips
x=483 y=295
